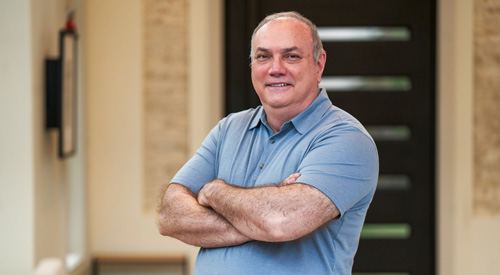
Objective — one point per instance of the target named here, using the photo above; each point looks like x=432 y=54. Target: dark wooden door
x=381 y=68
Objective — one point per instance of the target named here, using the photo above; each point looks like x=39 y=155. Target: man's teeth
x=278 y=85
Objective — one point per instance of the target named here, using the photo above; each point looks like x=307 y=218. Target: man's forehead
x=284 y=23
x=282 y=31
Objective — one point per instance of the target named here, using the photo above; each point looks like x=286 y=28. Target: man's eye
x=294 y=56
x=262 y=56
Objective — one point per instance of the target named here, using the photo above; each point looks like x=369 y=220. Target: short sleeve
x=343 y=164
x=200 y=169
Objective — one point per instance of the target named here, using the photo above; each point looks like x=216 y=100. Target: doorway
x=381 y=68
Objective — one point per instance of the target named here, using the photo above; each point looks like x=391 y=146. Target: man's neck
x=277 y=117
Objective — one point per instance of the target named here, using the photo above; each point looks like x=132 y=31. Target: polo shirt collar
x=257 y=118
x=305 y=120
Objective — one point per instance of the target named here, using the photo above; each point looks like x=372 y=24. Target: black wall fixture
x=60 y=91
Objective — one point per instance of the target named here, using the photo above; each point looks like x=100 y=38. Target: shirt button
x=260 y=166
x=272 y=140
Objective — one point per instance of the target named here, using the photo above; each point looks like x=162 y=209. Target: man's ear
x=320 y=65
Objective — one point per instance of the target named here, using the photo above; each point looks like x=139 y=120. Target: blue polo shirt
x=333 y=153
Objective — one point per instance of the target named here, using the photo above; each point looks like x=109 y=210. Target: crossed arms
x=226 y=215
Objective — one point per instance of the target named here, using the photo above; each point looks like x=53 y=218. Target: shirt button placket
x=272 y=141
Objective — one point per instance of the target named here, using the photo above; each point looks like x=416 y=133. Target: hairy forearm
x=183 y=218
x=274 y=213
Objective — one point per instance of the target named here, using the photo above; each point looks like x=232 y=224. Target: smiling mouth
x=278 y=85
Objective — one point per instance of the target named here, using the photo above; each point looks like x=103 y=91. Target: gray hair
x=317 y=46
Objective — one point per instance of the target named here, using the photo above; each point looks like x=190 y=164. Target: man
x=283 y=188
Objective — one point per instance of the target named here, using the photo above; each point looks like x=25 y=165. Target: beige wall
x=16 y=142
x=34 y=183
x=114 y=106
x=467 y=243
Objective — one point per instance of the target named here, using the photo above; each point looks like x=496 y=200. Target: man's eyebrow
x=291 y=49
x=259 y=49
x=286 y=50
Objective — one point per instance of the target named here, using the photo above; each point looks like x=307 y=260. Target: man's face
x=284 y=73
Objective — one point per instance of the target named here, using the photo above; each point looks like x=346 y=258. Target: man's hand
x=208 y=190
x=291 y=179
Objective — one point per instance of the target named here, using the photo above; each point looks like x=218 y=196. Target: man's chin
x=277 y=104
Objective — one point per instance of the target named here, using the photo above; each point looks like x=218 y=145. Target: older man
x=282 y=188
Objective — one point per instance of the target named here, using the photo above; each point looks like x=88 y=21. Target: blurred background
x=154 y=76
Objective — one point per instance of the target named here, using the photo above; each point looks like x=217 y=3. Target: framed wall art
x=61 y=97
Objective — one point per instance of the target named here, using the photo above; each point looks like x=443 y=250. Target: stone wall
x=487 y=106
x=165 y=49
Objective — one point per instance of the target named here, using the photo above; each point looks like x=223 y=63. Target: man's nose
x=277 y=67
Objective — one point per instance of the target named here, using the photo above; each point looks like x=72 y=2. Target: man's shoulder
x=244 y=114
x=338 y=121
x=243 y=118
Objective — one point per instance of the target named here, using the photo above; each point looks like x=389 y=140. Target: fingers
x=207 y=191
x=202 y=200
x=291 y=179
x=202 y=195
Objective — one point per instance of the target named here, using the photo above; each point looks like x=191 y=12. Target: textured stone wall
x=487 y=106
x=165 y=96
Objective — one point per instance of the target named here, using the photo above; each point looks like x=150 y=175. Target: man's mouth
x=278 y=85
